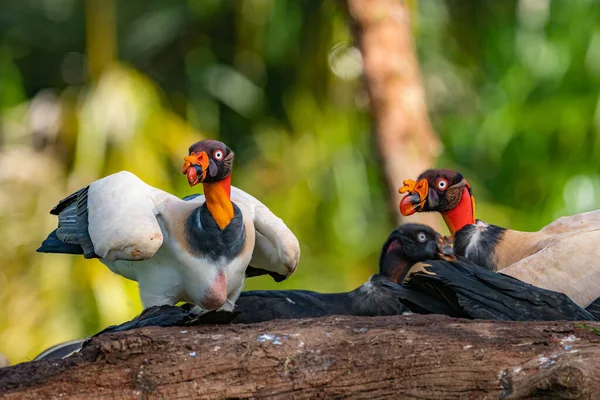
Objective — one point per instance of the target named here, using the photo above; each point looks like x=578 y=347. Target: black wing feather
x=594 y=308
x=166 y=315
x=66 y=202
x=53 y=244
x=420 y=302
x=82 y=225
x=72 y=236
x=484 y=294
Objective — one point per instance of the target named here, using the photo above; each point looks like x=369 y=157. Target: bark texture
x=432 y=357
x=407 y=143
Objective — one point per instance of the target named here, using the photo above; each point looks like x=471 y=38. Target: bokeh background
x=88 y=88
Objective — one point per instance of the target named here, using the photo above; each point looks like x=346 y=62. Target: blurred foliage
x=88 y=88
x=513 y=90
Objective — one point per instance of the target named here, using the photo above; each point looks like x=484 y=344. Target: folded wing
x=569 y=264
x=114 y=218
x=483 y=294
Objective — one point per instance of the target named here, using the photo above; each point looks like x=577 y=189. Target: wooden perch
x=334 y=357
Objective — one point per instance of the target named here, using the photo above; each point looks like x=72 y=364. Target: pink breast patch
x=216 y=295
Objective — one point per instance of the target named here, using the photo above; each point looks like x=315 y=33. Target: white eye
x=421 y=237
x=442 y=184
x=218 y=155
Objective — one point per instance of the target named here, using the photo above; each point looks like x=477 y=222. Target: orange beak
x=190 y=161
x=415 y=199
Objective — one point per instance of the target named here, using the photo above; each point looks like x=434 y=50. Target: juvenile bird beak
x=195 y=166
x=415 y=199
x=444 y=248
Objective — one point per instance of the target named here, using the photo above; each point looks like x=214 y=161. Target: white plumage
x=139 y=232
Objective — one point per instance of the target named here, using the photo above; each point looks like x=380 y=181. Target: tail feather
x=166 y=316
x=53 y=244
x=594 y=308
x=61 y=350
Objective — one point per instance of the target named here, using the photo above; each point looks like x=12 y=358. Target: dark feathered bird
x=462 y=289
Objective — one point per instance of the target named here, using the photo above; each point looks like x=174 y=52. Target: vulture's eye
x=442 y=184
x=218 y=155
x=421 y=237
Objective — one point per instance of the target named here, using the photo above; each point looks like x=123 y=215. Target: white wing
x=568 y=264
x=277 y=249
x=122 y=220
x=580 y=222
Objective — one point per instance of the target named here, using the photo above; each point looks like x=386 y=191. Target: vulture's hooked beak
x=444 y=248
x=195 y=166
x=415 y=199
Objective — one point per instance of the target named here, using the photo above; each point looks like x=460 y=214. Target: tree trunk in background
x=431 y=357
x=407 y=143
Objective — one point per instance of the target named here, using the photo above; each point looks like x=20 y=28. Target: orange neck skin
x=461 y=215
x=218 y=201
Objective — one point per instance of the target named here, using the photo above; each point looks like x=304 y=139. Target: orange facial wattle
x=200 y=159
x=407 y=205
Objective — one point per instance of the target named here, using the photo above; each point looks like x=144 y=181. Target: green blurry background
x=88 y=88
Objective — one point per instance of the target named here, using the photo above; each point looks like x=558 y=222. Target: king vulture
x=194 y=250
x=563 y=256
x=416 y=273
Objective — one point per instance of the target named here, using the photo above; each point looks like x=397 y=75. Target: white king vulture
x=195 y=250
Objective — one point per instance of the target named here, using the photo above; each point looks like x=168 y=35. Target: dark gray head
x=409 y=244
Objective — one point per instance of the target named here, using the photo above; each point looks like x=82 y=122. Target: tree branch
x=407 y=143
x=334 y=357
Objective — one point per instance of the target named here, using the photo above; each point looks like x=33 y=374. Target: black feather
x=82 y=225
x=594 y=308
x=418 y=302
x=477 y=242
x=64 y=203
x=53 y=244
x=61 y=350
x=72 y=235
x=373 y=298
x=191 y=197
x=166 y=315
x=251 y=272
x=207 y=239
x=475 y=292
